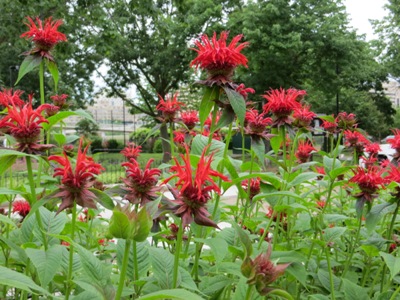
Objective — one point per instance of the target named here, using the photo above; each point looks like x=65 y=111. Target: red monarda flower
x=131 y=151
x=8 y=97
x=21 y=207
x=218 y=58
x=303 y=117
x=44 y=36
x=256 y=124
x=394 y=176
x=51 y=110
x=190 y=118
x=369 y=181
x=242 y=90
x=356 y=140
x=179 y=137
x=304 y=150
x=75 y=183
x=329 y=126
x=169 y=107
x=60 y=100
x=194 y=187
x=372 y=149
x=281 y=103
x=24 y=124
x=254 y=186
x=345 y=120
x=140 y=185
x=395 y=142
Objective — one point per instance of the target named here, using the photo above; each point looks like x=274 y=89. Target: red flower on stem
x=395 y=142
x=190 y=118
x=281 y=103
x=254 y=186
x=194 y=187
x=75 y=182
x=218 y=58
x=242 y=90
x=256 y=124
x=304 y=150
x=21 y=207
x=131 y=151
x=140 y=185
x=24 y=124
x=169 y=107
x=60 y=100
x=345 y=120
x=303 y=117
x=369 y=181
x=329 y=126
x=45 y=37
x=8 y=97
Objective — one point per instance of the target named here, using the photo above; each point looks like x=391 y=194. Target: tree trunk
x=164 y=141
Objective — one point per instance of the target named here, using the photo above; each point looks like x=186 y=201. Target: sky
x=360 y=11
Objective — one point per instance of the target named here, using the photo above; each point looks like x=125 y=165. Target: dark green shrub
x=96 y=146
x=157 y=147
x=112 y=144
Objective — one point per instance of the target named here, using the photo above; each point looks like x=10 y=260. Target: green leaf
x=200 y=142
x=22 y=257
x=376 y=213
x=65 y=114
x=52 y=67
x=393 y=263
x=299 y=272
x=333 y=234
x=92 y=266
x=302 y=177
x=119 y=225
x=163 y=263
x=219 y=248
x=258 y=146
x=142 y=254
x=207 y=103
x=46 y=263
x=91 y=289
x=237 y=102
x=30 y=62
x=105 y=200
x=323 y=277
x=353 y=291
x=6 y=191
x=175 y=294
x=187 y=280
x=282 y=193
x=334 y=218
x=60 y=138
x=275 y=141
x=143 y=224
x=226 y=118
x=244 y=238
x=6 y=162
x=212 y=286
x=12 y=278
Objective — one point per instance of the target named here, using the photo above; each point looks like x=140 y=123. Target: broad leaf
x=244 y=238
x=65 y=114
x=163 y=263
x=52 y=67
x=30 y=62
x=142 y=254
x=237 y=102
x=393 y=263
x=200 y=142
x=105 y=200
x=207 y=103
x=258 y=146
x=175 y=294
x=376 y=213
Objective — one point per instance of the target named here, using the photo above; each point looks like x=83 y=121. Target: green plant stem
x=331 y=282
x=34 y=198
x=123 y=269
x=178 y=246
x=135 y=266
x=171 y=138
x=389 y=237
x=353 y=247
x=41 y=81
x=281 y=293
x=372 y=285
x=249 y=292
x=283 y=137
x=393 y=297
x=71 y=253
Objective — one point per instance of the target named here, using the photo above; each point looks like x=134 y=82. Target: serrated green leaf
x=275 y=141
x=143 y=224
x=333 y=234
x=12 y=278
x=219 y=248
x=353 y=291
x=393 y=263
x=237 y=102
x=175 y=294
x=60 y=138
x=46 y=262
x=376 y=213
x=92 y=266
x=200 y=142
x=163 y=263
x=119 y=225
x=29 y=63
x=258 y=146
x=142 y=254
x=105 y=200
x=323 y=277
x=244 y=238
x=302 y=177
x=6 y=162
x=65 y=114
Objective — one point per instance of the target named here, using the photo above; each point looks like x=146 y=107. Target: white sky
x=360 y=11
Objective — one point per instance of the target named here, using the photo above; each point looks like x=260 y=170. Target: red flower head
x=140 y=185
x=369 y=161
x=281 y=103
x=45 y=37
x=369 y=181
x=261 y=271
x=256 y=124
x=372 y=149
x=24 y=124
x=395 y=142
x=51 y=110
x=195 y=185
x=179 y=137
x=131 y=151
x=21 y=207
x=208 y=121
x=76 y=181
x=355 y=139
x=217 y=58
x=242 y=90
x=169 y=107
x=394 y=176
x=329 y=126
x=11 y=98
x=254 y=186
x=304 y=150
x=346 y=121
x=60 y=100
x=190 y=118
x=303 y=117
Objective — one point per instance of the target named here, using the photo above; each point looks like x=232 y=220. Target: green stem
x=171 y=138
x=71 y=253
x=281 y=293
x=41 y=81
x=123 y=270
x=135 y=266
x=178 y=246
x=249 y=292
x=331 y=282
x=395 y=294
x=283 y=137
x=34 y=198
